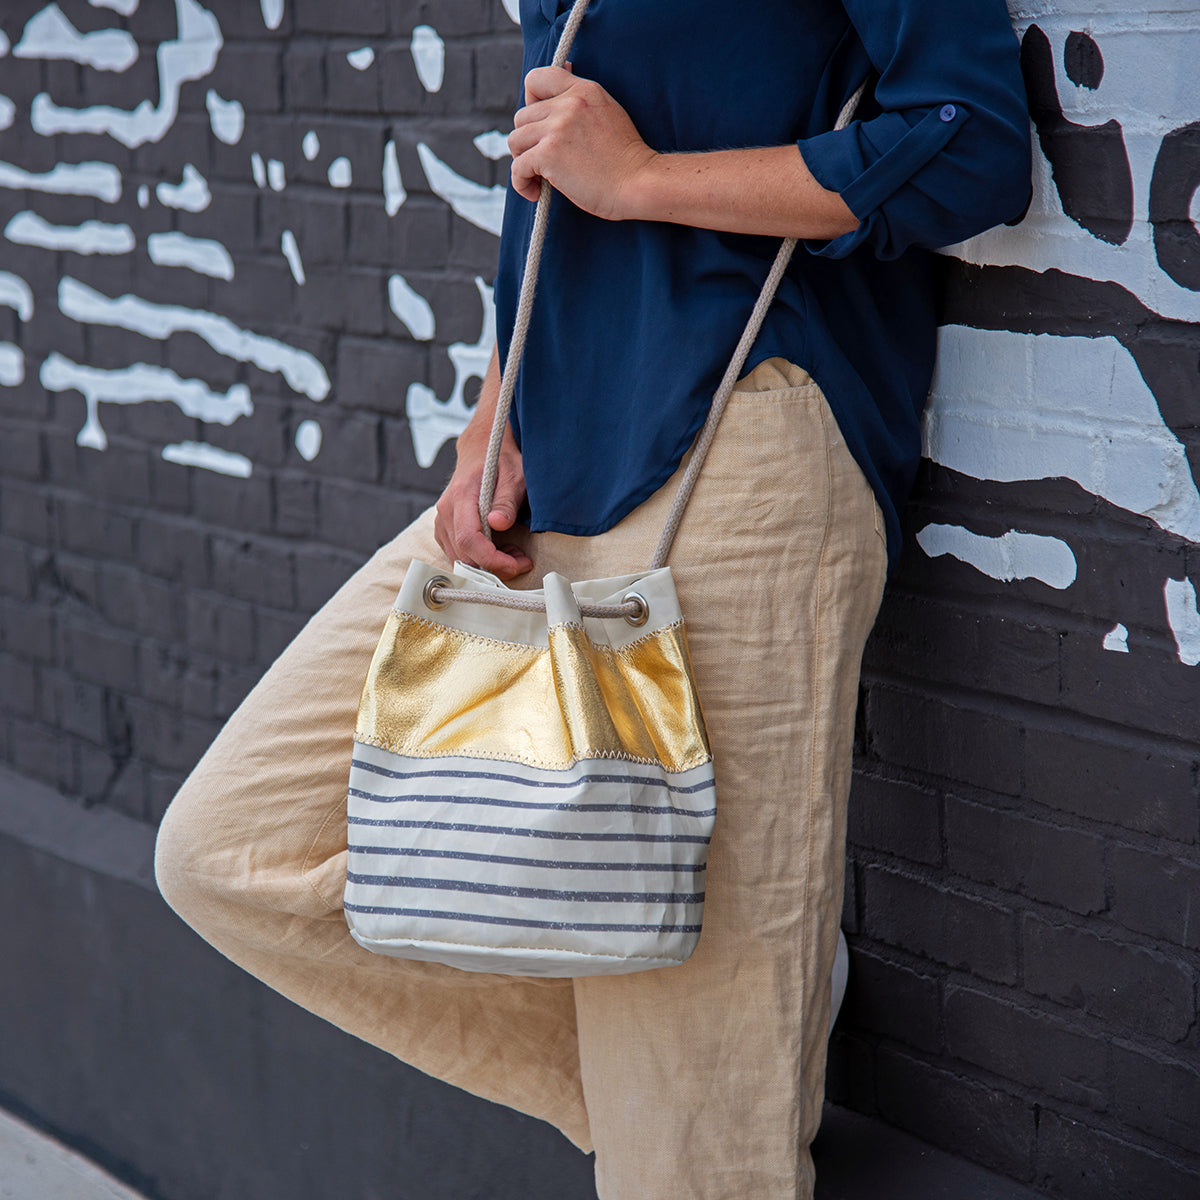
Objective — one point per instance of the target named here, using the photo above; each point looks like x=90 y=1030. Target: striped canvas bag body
x=531 y=791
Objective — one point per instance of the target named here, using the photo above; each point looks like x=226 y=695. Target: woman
x=682 y=139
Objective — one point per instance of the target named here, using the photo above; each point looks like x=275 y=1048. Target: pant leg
x=252 y=855
x=705 y=1082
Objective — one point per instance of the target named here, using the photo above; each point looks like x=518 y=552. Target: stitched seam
x=463 y=635
x=339 y=806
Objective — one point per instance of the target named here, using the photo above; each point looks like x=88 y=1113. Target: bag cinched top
x=531 y=791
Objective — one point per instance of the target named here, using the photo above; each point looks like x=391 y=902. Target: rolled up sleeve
x=944 y=151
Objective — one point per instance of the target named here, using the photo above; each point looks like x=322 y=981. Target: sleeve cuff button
x=948 y=113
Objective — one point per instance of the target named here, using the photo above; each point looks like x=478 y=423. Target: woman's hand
x=572 y=133
x=456 y=525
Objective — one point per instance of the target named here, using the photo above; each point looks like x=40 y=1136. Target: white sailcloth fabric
x=531 y=792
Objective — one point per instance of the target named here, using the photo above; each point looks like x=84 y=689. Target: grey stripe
x=646 y=780
x=695 y=839
x=411 y=852
x=496 y=802
x=382 y=910
x=526 y=893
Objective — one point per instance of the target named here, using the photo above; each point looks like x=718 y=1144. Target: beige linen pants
x=699 y=1082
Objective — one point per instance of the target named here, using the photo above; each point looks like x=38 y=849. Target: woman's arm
x=572 y=133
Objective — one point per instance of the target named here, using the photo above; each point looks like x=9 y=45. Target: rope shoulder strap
x=516 y=350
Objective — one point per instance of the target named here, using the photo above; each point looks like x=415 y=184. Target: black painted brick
x=981 y=1123
x=347 y=16
x=896 y=818
x=359 y=518
x=893 y=1000
x=295 y=505
x=26 y=513
x=375 y=375
x=944 y=738
x=1080 y=1162
x=1135 y=786
x=349 y=446
x=949 y=927
x=173 y=549
x=73 y=705
x=250 y=72
x=304 y=76
x=42 y=753
x=1019 y=854
x=1035 y=1049
x=241 y=505
x=98 y=653
x=131 y=600
x=220 y=626
x=28 y=629
x=233 y=684
x=20 y=451
x=171 y=679
x=254 y=571
x=498 y=76
x=1133 y=987
x=1155 y=894
x=1158 y=1096
x=15 y=577
x=168 y=739
x=93 y=528
x=273 y=632
x=319 y=573
x=18 y=686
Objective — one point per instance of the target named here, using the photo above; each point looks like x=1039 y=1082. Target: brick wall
x=1025 y=810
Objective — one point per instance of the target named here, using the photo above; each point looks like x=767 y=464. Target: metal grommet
x=438 y=581
x=643 y=613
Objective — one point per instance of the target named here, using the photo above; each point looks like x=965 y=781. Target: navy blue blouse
x=635 y=321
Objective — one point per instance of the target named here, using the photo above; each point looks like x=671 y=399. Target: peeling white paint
x=1117 y=639
x=513 y=8
x=433 y=422
x=413 y=309
x=1011 y=556
x=49 y=35
x=292 y=253
x=202 y=255
x=301 y=370
x=12 y=365
x=143 y=196
x=308 y=440
x=429 y=57
x=191 y=194
x=361 y=58
x=272 y=12
x=1184 y=619
x=482 y=206
x=1010 y=407
x=339 y=173
x=276 y=176
x=258 y=169
x=192 y=55
x=493 y=145
x=394 y=194
x=8 y=111
x=311 y=145
x=16 y=293
x=125 y=7
x=91 y=237
x=208 y=458
x=138 y=384
x=227 y=118
x=99 y=179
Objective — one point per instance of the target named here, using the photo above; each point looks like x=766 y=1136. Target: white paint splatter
x=362 y=58
x=16 y=293
x=272 y=12
x=433 y=422
x=192 y=55
x=311 y=145
x=1007 y=407
x=340 y=175
x=292 y=253
x=308 y=440
x=12 y=365
x=3 y=44
x=413 y=309
x=208 y=458
x=429 y=57
x=191 y=194
x=201 y=255
x=493 y=145
x=8 y=112
x=143 y=196
x=125 y=7
x=49 y=35
x=92 y=237
x=276 y=176
x=1117 y=639
x=136 y=385
x=258 y=169
x=1012 y=556
x=301 y=370
x=226 y=117
x=1184 y=619
x=482 y=206
x=394 y=194
x=99 y=179
x=513 y=8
